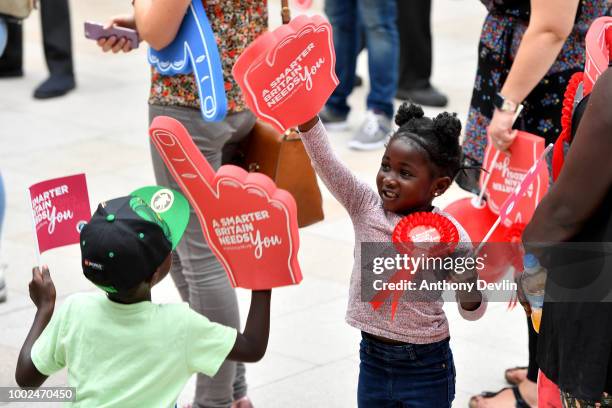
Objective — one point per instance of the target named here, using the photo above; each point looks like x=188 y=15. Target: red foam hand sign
x=598 y=43
x=509 y=171
x=476 y=218
x=286 y=75
x=250 y=225
x=60 y=208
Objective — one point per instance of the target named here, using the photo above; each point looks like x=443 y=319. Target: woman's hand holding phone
x=115 y=43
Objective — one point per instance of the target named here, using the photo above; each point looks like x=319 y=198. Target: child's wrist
x=305 y=127
x=46 y=308
x=469 y=301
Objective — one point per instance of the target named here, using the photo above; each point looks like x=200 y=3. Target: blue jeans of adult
x=3 y=35
x=407 y=375
x=377 y=18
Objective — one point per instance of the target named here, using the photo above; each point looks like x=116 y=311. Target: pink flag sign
x=286 y=75
x=598 y=43
x=250 y=225
x=508 y=171
x=60 y=208
x=521 y=190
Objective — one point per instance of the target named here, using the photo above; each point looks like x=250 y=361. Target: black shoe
x=358 y=81
x=333 y=120
x=14 y=73
x=54 y=86
x=427 y=96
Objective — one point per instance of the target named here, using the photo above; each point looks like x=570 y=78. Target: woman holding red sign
x=196 y=272
x=528 y=51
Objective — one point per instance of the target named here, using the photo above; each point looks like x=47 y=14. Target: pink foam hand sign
x=60 y=209
x=521 y=191
x=287 y=75
x=598 y=43
x=250 y=225
x=508 y=171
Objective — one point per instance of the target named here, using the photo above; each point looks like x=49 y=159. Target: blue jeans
x=3 y=35
x=410 y=375
x=378 y=20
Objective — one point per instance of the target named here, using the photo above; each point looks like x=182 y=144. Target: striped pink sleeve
x=355 y=195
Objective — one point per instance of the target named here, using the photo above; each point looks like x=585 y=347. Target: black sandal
x=520 y=402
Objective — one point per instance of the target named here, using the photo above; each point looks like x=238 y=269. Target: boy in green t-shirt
x=120 y=349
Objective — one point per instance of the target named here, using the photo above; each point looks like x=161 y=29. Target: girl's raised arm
x=352 y=193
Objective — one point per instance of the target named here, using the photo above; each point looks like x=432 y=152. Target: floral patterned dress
x=236 y=23
x=501 y=35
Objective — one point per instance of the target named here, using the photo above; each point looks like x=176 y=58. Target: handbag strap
x=285 y=12
x=289 y=134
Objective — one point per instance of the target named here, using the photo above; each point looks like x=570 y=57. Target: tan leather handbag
x=283 y=158
x=16 y=8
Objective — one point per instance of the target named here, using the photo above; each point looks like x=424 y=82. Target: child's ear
x=440 y=185
x=161 y=271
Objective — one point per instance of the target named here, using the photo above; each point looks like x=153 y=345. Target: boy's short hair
x=128 y=238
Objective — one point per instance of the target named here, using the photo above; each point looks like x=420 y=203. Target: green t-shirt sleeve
x=208 y=344
x=48 y=352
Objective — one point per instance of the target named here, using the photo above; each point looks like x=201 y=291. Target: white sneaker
x=373 y=133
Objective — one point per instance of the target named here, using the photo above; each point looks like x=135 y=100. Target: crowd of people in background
x=527 y=52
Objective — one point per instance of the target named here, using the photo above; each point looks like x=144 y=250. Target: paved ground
x=101 y=129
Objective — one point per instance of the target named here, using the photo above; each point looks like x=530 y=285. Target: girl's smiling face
x=407 y=180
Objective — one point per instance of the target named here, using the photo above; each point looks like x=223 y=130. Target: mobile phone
x=95 y=31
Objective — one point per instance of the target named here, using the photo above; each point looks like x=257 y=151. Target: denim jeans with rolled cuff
x=407 y=375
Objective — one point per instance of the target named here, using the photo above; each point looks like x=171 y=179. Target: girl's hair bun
x=447 y=127
x=407 y=112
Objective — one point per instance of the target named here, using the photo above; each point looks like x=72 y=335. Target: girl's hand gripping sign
x=286 y=75
x=250 y=225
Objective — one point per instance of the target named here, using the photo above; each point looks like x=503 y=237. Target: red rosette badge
x=419 y=233
x=425 y=231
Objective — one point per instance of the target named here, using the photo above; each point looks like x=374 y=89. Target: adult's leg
x=55 y=17
x=533 y=368
x=379 y=18
x=413 y=24
x=3 y=35
x=343 y=17
x=2 y=206
x=11 y=61
x=208 y=289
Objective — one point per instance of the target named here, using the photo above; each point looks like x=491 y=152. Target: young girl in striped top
x=407 y=359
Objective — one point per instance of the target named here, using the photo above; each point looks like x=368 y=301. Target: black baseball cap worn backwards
x=128 y=238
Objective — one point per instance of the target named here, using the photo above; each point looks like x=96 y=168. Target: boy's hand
x=113 y=43
x=42 y=289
